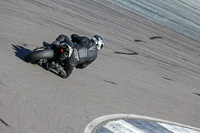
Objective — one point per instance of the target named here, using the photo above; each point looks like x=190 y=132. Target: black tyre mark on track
x=132 y=52
x=126 y=53
x=138 y=40
x=110 y=82
x=196 y=94
x=156 y=37
x=2 y=121
x=167 y=78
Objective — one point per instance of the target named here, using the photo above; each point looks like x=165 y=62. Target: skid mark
x=155 y=37
x=196 y=94
x=167 y=78
x=2 y=121
x=110 y=82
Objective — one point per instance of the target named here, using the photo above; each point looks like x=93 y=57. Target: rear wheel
x=41 y=54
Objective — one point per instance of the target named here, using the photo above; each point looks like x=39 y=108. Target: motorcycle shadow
x=21 y=51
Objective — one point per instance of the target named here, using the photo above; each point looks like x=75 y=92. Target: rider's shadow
x=21 y=51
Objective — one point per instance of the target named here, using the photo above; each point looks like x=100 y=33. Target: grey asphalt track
x=144 y=68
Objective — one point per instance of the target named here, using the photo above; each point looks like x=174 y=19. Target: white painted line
x=178 y=129
x=122 y=126
x=90 y=127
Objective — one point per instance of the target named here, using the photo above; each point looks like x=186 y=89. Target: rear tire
x=41 y=54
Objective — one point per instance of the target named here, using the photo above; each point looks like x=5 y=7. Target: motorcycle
x=42 y=55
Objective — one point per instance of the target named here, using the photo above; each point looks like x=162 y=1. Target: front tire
x=41 y=54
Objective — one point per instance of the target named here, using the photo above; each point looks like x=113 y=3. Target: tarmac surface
x=144 y=68
x=180 y=15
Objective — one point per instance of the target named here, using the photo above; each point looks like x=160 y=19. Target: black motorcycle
x=42 y=55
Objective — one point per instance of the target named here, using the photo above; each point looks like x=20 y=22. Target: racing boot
x=60 y=71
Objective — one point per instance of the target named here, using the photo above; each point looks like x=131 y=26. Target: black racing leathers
x=84 y=52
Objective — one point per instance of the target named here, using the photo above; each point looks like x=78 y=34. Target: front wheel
x=41 y=54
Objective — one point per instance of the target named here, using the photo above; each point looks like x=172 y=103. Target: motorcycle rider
x=78 y=52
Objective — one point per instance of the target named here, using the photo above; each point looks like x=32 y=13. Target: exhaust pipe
x=63 y=56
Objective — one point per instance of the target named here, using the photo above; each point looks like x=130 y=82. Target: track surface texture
x=144 y=68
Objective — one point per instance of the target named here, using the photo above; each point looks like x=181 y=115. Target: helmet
x=99 y=41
